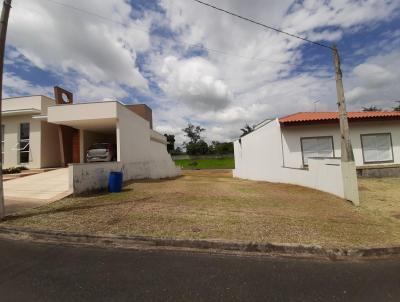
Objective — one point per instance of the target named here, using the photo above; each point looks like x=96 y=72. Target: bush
x=199 y=148
x=14 y=170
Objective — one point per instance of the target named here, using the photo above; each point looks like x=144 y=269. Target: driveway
x=44 y=272
x=35 y=190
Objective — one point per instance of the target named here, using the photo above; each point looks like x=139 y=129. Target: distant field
x=207 y=163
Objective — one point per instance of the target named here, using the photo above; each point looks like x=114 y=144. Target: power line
x=261 y=24
x=145 y=30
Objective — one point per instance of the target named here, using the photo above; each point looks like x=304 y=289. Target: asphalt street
x=47 y=272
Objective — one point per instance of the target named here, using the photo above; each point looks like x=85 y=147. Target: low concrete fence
x=94 y=176
x=379 y=171
x=185 y=156
x=324 y=174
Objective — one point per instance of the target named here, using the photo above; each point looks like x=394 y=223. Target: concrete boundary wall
x=259 y=156
x=379 y=171
x=94 y=176
x=323 y=174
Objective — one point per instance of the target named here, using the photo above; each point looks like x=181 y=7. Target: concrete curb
x=144 y=242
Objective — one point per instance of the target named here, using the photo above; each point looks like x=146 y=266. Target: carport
x=141 y=151
x=81 y=125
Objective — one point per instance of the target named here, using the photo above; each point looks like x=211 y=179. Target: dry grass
x=212 y=205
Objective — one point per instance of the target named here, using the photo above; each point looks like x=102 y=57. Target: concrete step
x=10 y=176
x=30 y=171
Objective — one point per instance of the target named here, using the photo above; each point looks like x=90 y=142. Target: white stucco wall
x=23 y=103
x=82 y=112
x=94 y=176
x=142 y=152
x=292 y=135
x=133 y=136
x=259 y=156
x=11 y=141
x=43 y=139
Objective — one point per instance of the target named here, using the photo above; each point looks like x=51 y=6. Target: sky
x=191 y=63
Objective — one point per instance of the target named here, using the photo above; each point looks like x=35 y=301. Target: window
x=2 y=144
x=316 y=147
x=24 y=143
x=377 y=148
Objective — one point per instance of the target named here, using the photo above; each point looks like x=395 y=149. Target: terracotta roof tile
x=326 y=116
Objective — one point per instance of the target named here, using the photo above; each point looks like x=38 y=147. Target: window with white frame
x=377 y=148
x=321 y=146
x=24 y=147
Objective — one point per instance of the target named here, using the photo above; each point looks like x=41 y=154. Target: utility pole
x=3 y=32
x=347 y=150
x=315 y=106
x=347 y=156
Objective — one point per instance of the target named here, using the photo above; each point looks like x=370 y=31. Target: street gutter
x=212 y=246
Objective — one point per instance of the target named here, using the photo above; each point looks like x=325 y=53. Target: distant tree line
x=376 y=108
x=196 y=145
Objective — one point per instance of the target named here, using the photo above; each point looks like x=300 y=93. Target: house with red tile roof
x=289 y=149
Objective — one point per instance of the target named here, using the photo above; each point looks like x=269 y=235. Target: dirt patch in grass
x=206 y=163
x=213 y=205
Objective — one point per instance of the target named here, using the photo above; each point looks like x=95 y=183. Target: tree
x=397 y=108
x=177 y=151
x=246 y=129
x=221 y=148
x=171 y=142
x=196 y=145
x=193 y=132
x=198 y=148
x=371 y=108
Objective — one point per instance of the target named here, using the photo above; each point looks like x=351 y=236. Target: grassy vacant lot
x=207 y=163
x=213 y=205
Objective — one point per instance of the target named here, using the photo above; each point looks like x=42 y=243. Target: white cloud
x=222 y=92
x=195 y=82
x=265 y=85
x=15 y=85
x=373 y=75
x=375 y=82
x=314 y=14
x=61 y=40
x=87 y=91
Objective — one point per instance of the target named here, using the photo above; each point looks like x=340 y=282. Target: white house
x=305 y=148
x=39 y=132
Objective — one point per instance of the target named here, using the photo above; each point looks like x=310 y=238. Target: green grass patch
x=207 y=163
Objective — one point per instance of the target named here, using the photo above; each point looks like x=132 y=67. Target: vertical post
x=349 y=173
x=3 y=32
x=347 y=150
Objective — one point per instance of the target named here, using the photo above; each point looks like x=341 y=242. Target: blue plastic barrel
x=115 y=182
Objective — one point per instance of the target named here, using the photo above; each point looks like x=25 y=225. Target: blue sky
x=191 y=63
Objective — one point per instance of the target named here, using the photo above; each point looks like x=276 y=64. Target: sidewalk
x=35 y=190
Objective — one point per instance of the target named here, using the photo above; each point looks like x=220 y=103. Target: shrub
x=14 y=170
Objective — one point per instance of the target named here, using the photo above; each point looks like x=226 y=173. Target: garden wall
x=259 y=156
x=94 y=176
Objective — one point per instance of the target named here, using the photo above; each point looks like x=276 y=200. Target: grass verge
x=213 y=205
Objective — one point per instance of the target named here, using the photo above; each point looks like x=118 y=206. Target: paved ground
x=32 y=191
x=39 y=272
